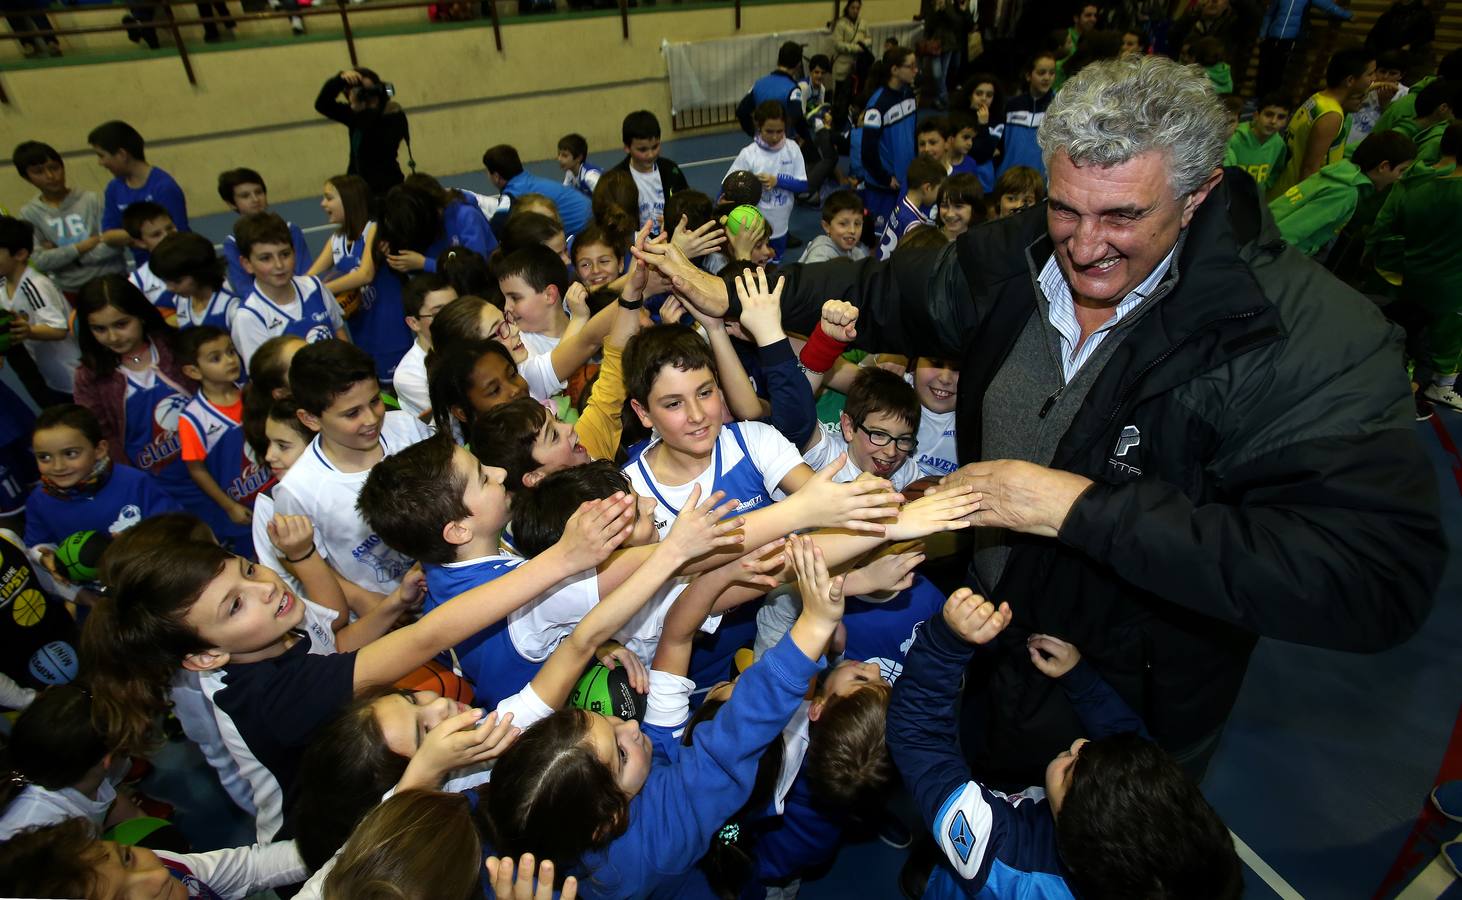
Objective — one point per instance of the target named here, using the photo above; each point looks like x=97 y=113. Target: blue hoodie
x=1285 y=19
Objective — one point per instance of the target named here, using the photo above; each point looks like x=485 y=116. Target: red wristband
x=821 y=351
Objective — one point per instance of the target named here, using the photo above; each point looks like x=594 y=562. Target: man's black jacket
x=1279 y=488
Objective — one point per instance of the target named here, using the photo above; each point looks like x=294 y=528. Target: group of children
x=468 y=539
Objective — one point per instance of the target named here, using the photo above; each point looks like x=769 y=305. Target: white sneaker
x=1445 y=395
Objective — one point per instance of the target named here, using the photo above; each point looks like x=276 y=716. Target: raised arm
x=593 y=532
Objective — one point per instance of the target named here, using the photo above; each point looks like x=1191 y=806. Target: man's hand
x=1019 y=495
x=703 y=289
x=973 y=618
x=1053 y=656
x=839 y=319
x=761 y=307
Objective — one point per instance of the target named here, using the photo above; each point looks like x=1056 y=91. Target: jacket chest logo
x=1130 y=438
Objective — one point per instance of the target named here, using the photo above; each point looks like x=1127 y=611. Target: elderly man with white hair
x=1184 y=434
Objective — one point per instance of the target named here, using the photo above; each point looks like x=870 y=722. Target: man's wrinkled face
x=1112 y=225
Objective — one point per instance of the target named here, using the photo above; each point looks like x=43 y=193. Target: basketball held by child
x=608 y=692
x=78 y=556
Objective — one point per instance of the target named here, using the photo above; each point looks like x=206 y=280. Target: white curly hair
x=1114 y=110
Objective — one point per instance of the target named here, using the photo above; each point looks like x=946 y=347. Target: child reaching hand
x=267 y=658
x=1115 y=818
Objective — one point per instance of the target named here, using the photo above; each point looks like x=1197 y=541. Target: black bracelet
x=302 y=558
x=630 y=304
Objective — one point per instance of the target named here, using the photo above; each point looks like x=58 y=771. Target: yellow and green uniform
x=1428 y=140
x=1311 y=213
x=1415 y=239
x=1263 y=160
x=1297 y=136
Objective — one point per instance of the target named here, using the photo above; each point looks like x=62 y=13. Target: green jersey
x=1262 y=160
x=1311 y=213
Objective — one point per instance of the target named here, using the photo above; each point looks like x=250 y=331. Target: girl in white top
x=778 y=162
x=60 y=767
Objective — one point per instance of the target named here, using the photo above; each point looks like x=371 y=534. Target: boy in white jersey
x=281 y=302
x=422 y=297
x=936 y=381
x=876 y=429
x=534 y=281
x=334 y=384
x=147 y=223
x=37 y=311
x=573 y=158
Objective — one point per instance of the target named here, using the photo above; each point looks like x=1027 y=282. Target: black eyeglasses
x=883 y=439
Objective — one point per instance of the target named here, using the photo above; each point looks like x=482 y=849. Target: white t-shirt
x=937 y=454
x=237 y=872
x=652 y=196
x=539 y=344
x=822 y=454
x=313 y=487
x=36 y=806
x=263 y=547
x=409 y=380
x=543 y=381
x=776 y=203
x=38 y=298
x=771 y=453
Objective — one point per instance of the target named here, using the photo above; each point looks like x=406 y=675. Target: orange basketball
x=436 y=677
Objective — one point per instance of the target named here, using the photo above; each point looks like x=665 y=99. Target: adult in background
x=1280 y=32
x=377 y=125
x=782 y=85
x=850 y=41
x=1184 y=434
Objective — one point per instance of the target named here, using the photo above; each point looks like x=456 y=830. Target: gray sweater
x=59 y=229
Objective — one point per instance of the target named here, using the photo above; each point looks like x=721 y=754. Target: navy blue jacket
x=784 y=89
x=1003 y=844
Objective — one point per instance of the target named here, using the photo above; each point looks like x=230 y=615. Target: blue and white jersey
x=313 y=315
x=889 y=140
x=314 y=487
x=241 y=282
x=904 y=216
x=218 y=312
x=1023 y=118
x=585 y=179
x=126 y=498
x=153 y=288
x=502 y=658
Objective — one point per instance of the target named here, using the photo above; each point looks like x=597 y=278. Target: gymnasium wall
x=254 y=107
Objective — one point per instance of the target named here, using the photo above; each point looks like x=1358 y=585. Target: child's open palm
x=761 y=305
x=703 y=528
x=696 y=243
x=507 y=886
x=934 y=512
x=822 y=594
x=595 y=529
x=974 y=618
x=850 y=505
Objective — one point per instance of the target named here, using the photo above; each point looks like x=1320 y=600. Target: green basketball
x=743 y=217
x=608 y=693
x=80 y=554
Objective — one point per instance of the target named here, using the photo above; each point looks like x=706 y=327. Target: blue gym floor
x=1322 y=774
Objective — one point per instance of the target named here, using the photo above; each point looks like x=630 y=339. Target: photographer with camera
x=377 y=125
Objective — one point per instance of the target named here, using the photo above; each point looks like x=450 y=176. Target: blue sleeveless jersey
x=232 y=465
x=488 y=658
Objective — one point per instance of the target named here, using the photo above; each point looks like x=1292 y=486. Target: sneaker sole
x=1438 y=804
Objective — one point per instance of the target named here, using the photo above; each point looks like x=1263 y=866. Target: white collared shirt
x=1062 y=314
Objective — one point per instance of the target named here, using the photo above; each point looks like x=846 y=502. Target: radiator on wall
x=708 y=78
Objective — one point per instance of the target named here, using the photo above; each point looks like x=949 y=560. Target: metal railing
x=164 y=20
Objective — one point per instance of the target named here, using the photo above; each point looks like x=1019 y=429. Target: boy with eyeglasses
x=878 y=430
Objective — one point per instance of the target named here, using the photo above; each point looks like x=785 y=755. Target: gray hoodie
x=59 y=229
